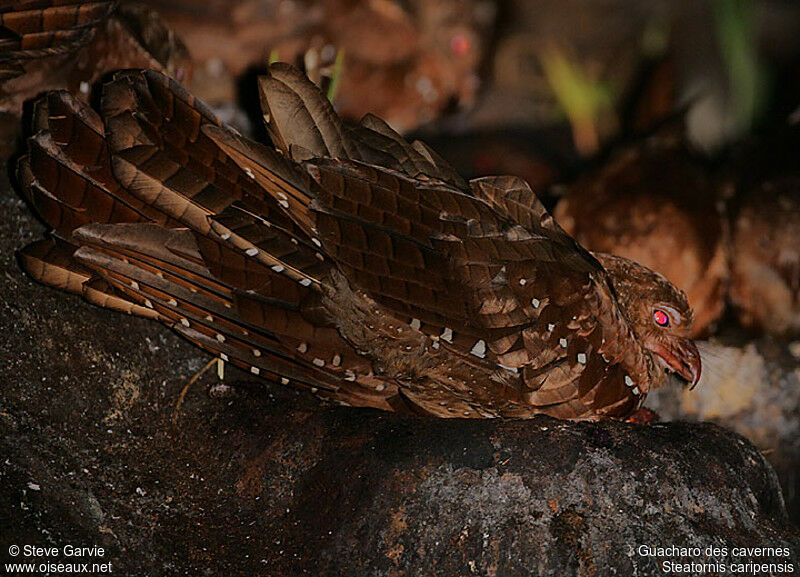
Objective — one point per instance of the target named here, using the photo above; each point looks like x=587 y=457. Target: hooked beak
x=680 y=356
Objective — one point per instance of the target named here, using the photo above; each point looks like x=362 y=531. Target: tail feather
x=158 y=250
x=177 y=218
x=145 y=108
x=69 y=158
x=159 y=153
x=50 y=262
x=269 y=335
x=59 y=216
x=75 y=188
x=99 y=292
x=77 y=129
x=164 y=158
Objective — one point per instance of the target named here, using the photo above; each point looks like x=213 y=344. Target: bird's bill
x=681 y=357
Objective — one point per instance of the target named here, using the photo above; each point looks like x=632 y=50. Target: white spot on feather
x=336 y=361
x=512 y=369
x=221 y=337
x=184 y=322
x=523 y=281
x=249 y=172
x=535 y=303
x=134 y=285
x=319 y=362
x=582 y=358
x=415 y=324
x=305 y=282
x=278 y=268
x=172 y=302
x=255 y=370
x=316 y=241
x=302 y=347
x=479 y=349
x=447 y=335
x=284 y=381
x=256 y=353
x=253 y=251
x=349 y=376
x=225 y=236
x=283 y=203
x=628 y=381
x=635 y=390
x=223 y=356
x=550 y=327
x=563 y=343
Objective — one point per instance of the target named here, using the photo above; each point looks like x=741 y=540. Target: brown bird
x=342 y=259
x=653 y=204
x=71 y=44
x=765 y=268
x=408 y=61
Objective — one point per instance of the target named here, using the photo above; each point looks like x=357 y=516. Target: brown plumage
x=343 y=260
x=765 y=257
x=407 y=61
x=653 y=204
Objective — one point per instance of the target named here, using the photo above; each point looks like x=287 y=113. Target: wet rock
x=515 y=498
x=347 y=491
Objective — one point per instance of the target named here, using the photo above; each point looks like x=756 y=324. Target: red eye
x=661 y=318
x=460 y=44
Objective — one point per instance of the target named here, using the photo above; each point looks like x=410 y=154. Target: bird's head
x=659 y=314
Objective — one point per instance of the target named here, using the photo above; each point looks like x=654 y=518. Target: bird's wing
x=152 y=219
x=66 y=174
x=232 y=243
x=482 y=269
x=303 y=124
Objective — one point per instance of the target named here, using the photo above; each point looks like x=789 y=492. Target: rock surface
x=262 y=480
x=753 y=388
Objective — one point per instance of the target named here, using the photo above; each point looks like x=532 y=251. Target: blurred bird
x=344 y=260
x=765 y=263
x=652 y=204
x=407 y=61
